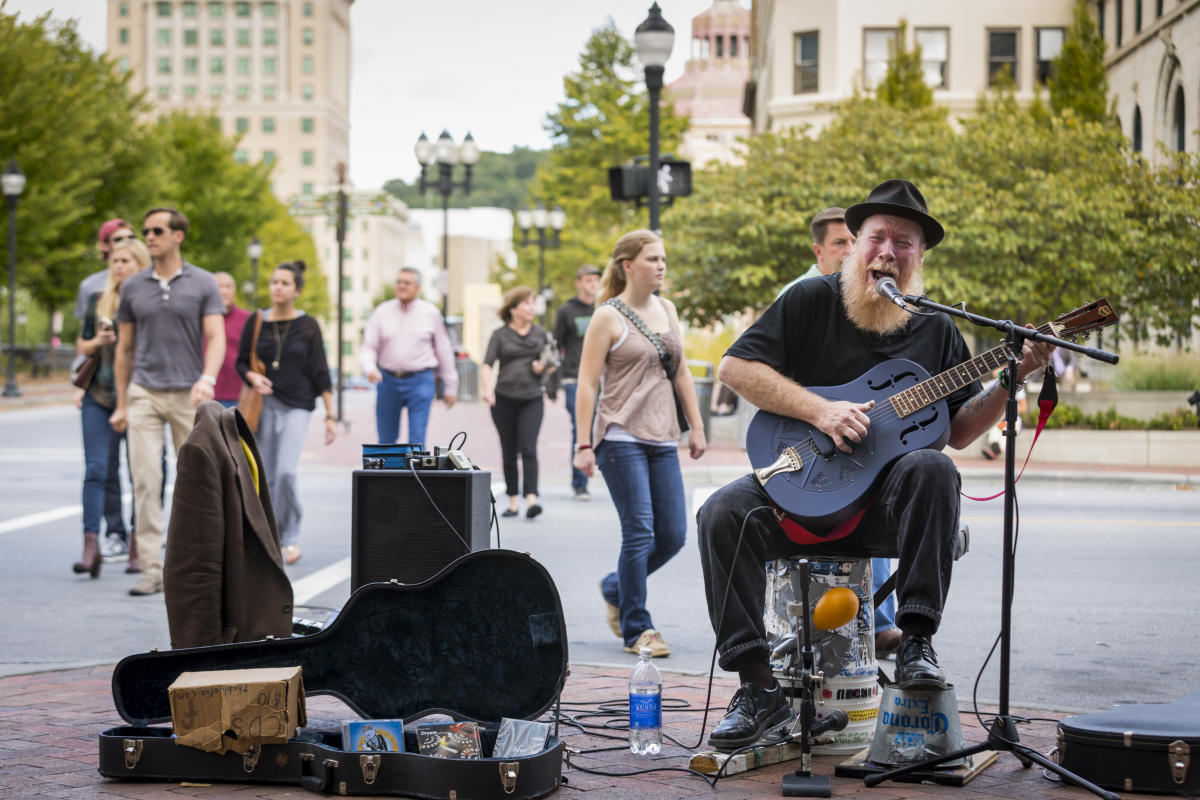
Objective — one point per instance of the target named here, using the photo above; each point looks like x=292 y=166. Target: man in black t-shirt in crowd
x=827 y=331
x=569 y=327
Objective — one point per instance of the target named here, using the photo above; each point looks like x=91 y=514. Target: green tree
x=68 y=120
x=904 y=84
x=602 y=122
x=499 y=180
x=1078 y=80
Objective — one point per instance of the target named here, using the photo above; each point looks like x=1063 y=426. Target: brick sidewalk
x=51 y=722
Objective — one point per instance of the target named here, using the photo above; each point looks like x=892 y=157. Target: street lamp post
x=539 y=218
x=254 y=250
x=341 y=281
x=445 y=153
x=653 y=41
x=13 y=182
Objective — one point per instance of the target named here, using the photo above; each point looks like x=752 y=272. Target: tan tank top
x=635 y=392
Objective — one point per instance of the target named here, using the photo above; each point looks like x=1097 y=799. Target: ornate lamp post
x=539 y=218
x=13 y=182
x=653 y=41
x=445 y=153
x=254 y=252
x=341 y=285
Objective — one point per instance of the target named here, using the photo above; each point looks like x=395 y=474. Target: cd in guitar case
x=482 y=640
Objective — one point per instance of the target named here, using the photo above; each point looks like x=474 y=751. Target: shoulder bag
x=250 y=402
x=82 y=377
x=667 y=362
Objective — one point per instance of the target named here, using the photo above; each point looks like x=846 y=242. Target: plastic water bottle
x=645 y=707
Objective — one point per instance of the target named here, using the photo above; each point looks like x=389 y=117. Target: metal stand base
x=796 y=785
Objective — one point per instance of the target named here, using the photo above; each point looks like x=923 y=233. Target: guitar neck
x=943 y=385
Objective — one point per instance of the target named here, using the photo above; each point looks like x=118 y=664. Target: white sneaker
x=113 y=548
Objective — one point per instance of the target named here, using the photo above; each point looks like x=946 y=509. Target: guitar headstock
x=1093 y=316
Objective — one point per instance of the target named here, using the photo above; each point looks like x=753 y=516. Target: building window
x=877 y=44
x=216 y=37
x=1137 y=16
x=270 y=37
x=216 y=66
x=1002 y=55
x=1137 y=129
x=124 y=9
x=935 y=54
x=191 y=37
x=270 y=65
x=164 y=9
x=1049 y=45
x=270 y=10
x=240 y=156
x=217 y=92
x=347 y=315
x=306 y=65
x=241 y=9
x=164 y=93
x=189 y=92
x=720 y=45
x=243 y=37
x=306 y=125
x=243 y=92
x=164 y=66
x=733 y=40
x=241 y=124
x=700 y=49
x=269 y=93
x=191 y=66
x=308 y=35
x=243 y=66
x=1100 y=19
x=190 y=10
x=807 y=68
x=307 y=91
x=216 y=9
x=123 y=36
x=123 y=63
x=1178 y=131
x=268 y=156
x=164 y=37
x=308 y=9
x=347 y=347
x=1158 y=4
x=306 y=158
x=306 y=188
x=1119 y=8
x=346 y=285
x=268 y=124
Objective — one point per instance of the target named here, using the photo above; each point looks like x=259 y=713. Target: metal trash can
x=468 y=378
x=704 y=390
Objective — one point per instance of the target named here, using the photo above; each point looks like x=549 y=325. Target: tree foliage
x=904 y=84
x=499 y=180
x=602 y=122
x=1078 y=82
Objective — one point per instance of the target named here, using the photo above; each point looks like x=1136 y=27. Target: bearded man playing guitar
x=824 y=332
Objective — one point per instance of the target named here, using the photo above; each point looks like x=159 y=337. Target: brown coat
x=223 y=576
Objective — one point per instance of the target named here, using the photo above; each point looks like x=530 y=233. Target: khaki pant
x=147 y=411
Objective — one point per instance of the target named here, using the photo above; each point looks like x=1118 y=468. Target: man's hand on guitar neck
x=844 y=422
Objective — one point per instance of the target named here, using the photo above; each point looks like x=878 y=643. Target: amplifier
x=397 y=532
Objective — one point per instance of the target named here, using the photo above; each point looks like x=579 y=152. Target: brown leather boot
x=91 y=556
x=134 y=565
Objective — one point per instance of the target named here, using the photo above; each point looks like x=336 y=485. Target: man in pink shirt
x=229 y=383
x=404 y=343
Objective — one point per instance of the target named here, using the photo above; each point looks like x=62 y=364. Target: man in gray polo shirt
x=170 y=346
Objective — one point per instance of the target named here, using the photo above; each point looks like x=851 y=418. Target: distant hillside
x=499 y=179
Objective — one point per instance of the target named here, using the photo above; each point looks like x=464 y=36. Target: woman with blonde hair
x=633 y=358
x=516 y=396
x=99 y=336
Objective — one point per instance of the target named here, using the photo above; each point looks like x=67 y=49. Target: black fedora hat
x=899 y=198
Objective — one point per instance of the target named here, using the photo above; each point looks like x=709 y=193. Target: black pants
x=914 y=516
x=518 y=423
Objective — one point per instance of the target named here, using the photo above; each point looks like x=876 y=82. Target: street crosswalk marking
x=321 y=581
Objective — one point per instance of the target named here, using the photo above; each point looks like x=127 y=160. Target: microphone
x=835 y=720
x=886 y=287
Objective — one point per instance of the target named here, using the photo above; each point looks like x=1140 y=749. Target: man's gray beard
x=864 y=307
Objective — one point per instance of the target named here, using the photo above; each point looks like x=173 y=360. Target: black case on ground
x=483 y=639
x=1136 y=748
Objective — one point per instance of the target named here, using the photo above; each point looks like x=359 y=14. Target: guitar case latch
x=133 y=752
x=250 y=758
x=508 y=775
x=1179 y=755
x=369 y=764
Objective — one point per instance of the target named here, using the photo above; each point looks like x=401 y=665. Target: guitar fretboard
x=930 y=391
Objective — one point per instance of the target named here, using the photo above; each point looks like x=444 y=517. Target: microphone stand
x=1002 y=735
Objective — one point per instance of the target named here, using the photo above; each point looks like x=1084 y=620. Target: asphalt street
x=1105 y=604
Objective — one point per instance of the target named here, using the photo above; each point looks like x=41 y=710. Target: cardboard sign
x=230 y=710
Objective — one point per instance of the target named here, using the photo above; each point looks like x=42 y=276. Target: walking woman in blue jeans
x=99 y=336
x=635 y=434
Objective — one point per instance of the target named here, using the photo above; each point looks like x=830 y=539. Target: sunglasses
x=155 y=231
x=118 y=239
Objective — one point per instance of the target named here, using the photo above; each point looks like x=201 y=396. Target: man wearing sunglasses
x=170 y=346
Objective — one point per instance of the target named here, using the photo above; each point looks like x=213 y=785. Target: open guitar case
x=1147 y=747
x=483 y=639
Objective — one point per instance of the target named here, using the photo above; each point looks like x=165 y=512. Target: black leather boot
x=752 y=711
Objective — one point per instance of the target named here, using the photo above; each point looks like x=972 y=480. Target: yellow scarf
x=253 y=463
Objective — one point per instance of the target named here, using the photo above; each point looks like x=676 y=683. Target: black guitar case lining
x=481 y=640
x=1152 y=747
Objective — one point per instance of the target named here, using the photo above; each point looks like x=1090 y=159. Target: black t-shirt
x=303 y=372
x=569 y=327
x=516 y=353
x=806 y=336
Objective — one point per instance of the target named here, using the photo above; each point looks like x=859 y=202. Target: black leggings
x=518 y=423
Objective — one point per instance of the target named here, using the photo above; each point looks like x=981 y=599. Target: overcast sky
x=492 y=68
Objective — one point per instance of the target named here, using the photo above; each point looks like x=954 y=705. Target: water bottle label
x=645 y=711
